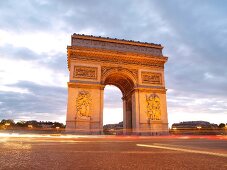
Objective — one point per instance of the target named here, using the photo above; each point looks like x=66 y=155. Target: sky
x=34 y=35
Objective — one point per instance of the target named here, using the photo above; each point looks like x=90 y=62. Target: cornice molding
x=73 y=49
x=110 y=56
x=85 y=85
x=151 y=90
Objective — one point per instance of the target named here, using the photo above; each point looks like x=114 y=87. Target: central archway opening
x=112 y=110
x=125 y=83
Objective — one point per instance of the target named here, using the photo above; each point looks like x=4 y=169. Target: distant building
x=112 y=129
x=114 y=126
x=194 y=125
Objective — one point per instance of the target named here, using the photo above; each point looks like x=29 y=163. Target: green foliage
x=221 y=125
x=10 y=121
x=57 y=124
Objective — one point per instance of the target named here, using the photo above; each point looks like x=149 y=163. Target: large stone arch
x=120 y=77
x=126 y=82
x=136 y=68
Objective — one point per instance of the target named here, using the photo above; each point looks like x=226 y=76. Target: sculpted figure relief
x=153 y=107
x=83 y=102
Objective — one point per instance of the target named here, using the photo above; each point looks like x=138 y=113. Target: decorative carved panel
x=153 y=107
x=105 y=69
x=85 y=72
x=151 y=78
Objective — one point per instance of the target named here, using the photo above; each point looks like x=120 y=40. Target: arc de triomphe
x=136 y=68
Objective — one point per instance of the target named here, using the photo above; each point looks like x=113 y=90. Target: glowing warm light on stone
x=136 y=68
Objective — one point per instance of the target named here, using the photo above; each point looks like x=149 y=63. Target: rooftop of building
x=192 y=122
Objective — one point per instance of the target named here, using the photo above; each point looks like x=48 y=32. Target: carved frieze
x=153 y=107
x=83 y=104
x=151 y=78
x=117 y=46
x=108 y=56
x=105 y=69
x=83 y=72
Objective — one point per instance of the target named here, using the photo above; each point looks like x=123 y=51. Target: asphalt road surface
x=112 y=152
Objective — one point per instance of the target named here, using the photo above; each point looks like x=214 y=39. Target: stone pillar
x=135 y=112
x=124 y=116
x=101 y=110
x=70 y=117
x=151 y=111
x=127 y=115
x=85 y=107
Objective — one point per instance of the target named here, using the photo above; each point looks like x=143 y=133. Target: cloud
x=196 y=49
x=25 y=64
x=39 y=99
x=24 y=16
x=11 y=52
x=192 y=33
x=112 y=97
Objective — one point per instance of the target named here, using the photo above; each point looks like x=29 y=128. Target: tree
x=10 y=121
x=57 y=124
x=22 y=124
x=221 y=125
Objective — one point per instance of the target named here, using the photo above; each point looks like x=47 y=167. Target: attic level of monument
x=116 y=44
x=122 y=41
x=118 y=51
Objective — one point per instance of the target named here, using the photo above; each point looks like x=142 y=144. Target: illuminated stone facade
x=136 y=68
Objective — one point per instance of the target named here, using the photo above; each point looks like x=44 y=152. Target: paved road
x=98 y=152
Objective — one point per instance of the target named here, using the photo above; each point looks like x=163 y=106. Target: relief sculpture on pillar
x=83 y=104
x=153 y=107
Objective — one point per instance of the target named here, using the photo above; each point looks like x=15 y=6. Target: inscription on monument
x=85 y=72
x=151 y=78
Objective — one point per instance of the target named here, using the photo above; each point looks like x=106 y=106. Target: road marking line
x=183 y=150
x=170 y=145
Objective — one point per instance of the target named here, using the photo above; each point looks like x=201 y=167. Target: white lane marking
x=183 y=150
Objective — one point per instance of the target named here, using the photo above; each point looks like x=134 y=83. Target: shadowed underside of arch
x=124 y=83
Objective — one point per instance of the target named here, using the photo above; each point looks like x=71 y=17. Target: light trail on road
x=117 y=152
x=131 y=137
x=167 y=147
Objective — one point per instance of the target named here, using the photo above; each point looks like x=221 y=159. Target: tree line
x=9 y=123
